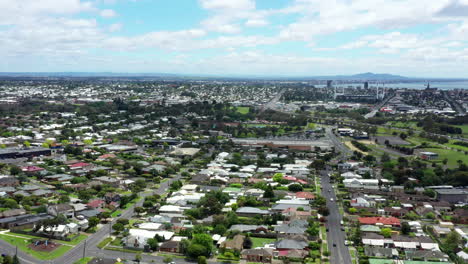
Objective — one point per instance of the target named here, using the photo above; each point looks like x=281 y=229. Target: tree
x=269 y=193
x=93 y=221
x=15 y=260
x=202 y=260
x=385 y=157
x=138 y=257
x=295 y=187
x=277 y=177
x=386 y=232
x=118 y=227
x=27 y=144
x=452 y=241
x=7 y=260
x=430 y=192
x=248 y=243
x=203 y=239
x=167 y=259
x=15 y=170
x=196 y=250
x=152 y=243
x=139 y=210
x=405 y=228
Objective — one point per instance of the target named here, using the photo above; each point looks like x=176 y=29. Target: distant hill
x=368 y=76
x=364 y=76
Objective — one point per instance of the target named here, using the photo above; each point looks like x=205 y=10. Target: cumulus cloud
x=107 y=13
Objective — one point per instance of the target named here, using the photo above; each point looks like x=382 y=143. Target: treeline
x=360 y=146
x=461 y=143
x=438 y=139
x=402 y=149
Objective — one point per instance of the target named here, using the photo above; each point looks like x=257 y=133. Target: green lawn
x=260 y=242
x=75 y=241
x=104 y=242
x=115 y=213
x=243 y=110
x=84 y=260
x=23 y=244
x=465 y=129
x=451 y=155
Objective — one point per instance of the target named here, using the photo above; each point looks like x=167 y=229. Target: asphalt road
x=339 y=146
x=93 y=240
x=271 y=104
x=335 y=237
x=377 y=107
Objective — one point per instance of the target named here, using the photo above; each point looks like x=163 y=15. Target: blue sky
x=236 y=37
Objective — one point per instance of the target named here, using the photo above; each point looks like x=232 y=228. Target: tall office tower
x=329 y=84
x=366 y=85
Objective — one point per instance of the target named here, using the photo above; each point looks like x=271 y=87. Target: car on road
x=331 y=199
x=327 y=229
x=334 y=245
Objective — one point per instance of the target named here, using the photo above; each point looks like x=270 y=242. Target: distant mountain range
x=368 y=76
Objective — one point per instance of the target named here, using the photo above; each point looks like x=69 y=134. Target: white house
x=138 y=238
x=361 y=183
x=351 y=175
x=361 y=202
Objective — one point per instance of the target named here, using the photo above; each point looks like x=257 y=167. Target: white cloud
x=115 y=27
x=228 y=4
x=107 y=13
x=256 y=23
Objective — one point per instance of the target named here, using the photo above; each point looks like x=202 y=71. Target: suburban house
x=263 y=255
x=384 y=221
x=251 y=212
x=61 y=209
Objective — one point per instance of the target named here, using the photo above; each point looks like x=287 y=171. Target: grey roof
x=286 y=206
x=247 y=228
x=452 y=191
x=425 y=254
x=89 y=213
x=258 y=252
x=290 y=229
x=22 y=193
x=106 y=179
x=252 y=210
x=291 y=244
x=378 y=252
x=7 y=189
x=59 y=177
x=41 y=192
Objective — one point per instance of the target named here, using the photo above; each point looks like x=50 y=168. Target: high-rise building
x=366 y=85
x=329 y=84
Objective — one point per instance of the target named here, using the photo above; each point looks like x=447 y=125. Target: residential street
x=93 y=240
x=339 y=252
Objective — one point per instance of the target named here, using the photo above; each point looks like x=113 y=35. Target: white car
x=331 y=199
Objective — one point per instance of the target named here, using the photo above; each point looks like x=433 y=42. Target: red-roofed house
x=107 y=156
x=96 y=204
x=388 y=221
x=31 y=169
x=305 y=195
x=290 y=178
x=79 y=165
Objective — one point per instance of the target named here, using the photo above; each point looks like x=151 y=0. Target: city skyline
x=243 y=37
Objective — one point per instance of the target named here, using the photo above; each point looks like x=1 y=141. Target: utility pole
x=84 y=249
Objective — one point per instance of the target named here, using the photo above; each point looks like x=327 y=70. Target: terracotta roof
x=379 y=220
x=31 y=168
x=79 y=164
x=305 y=195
